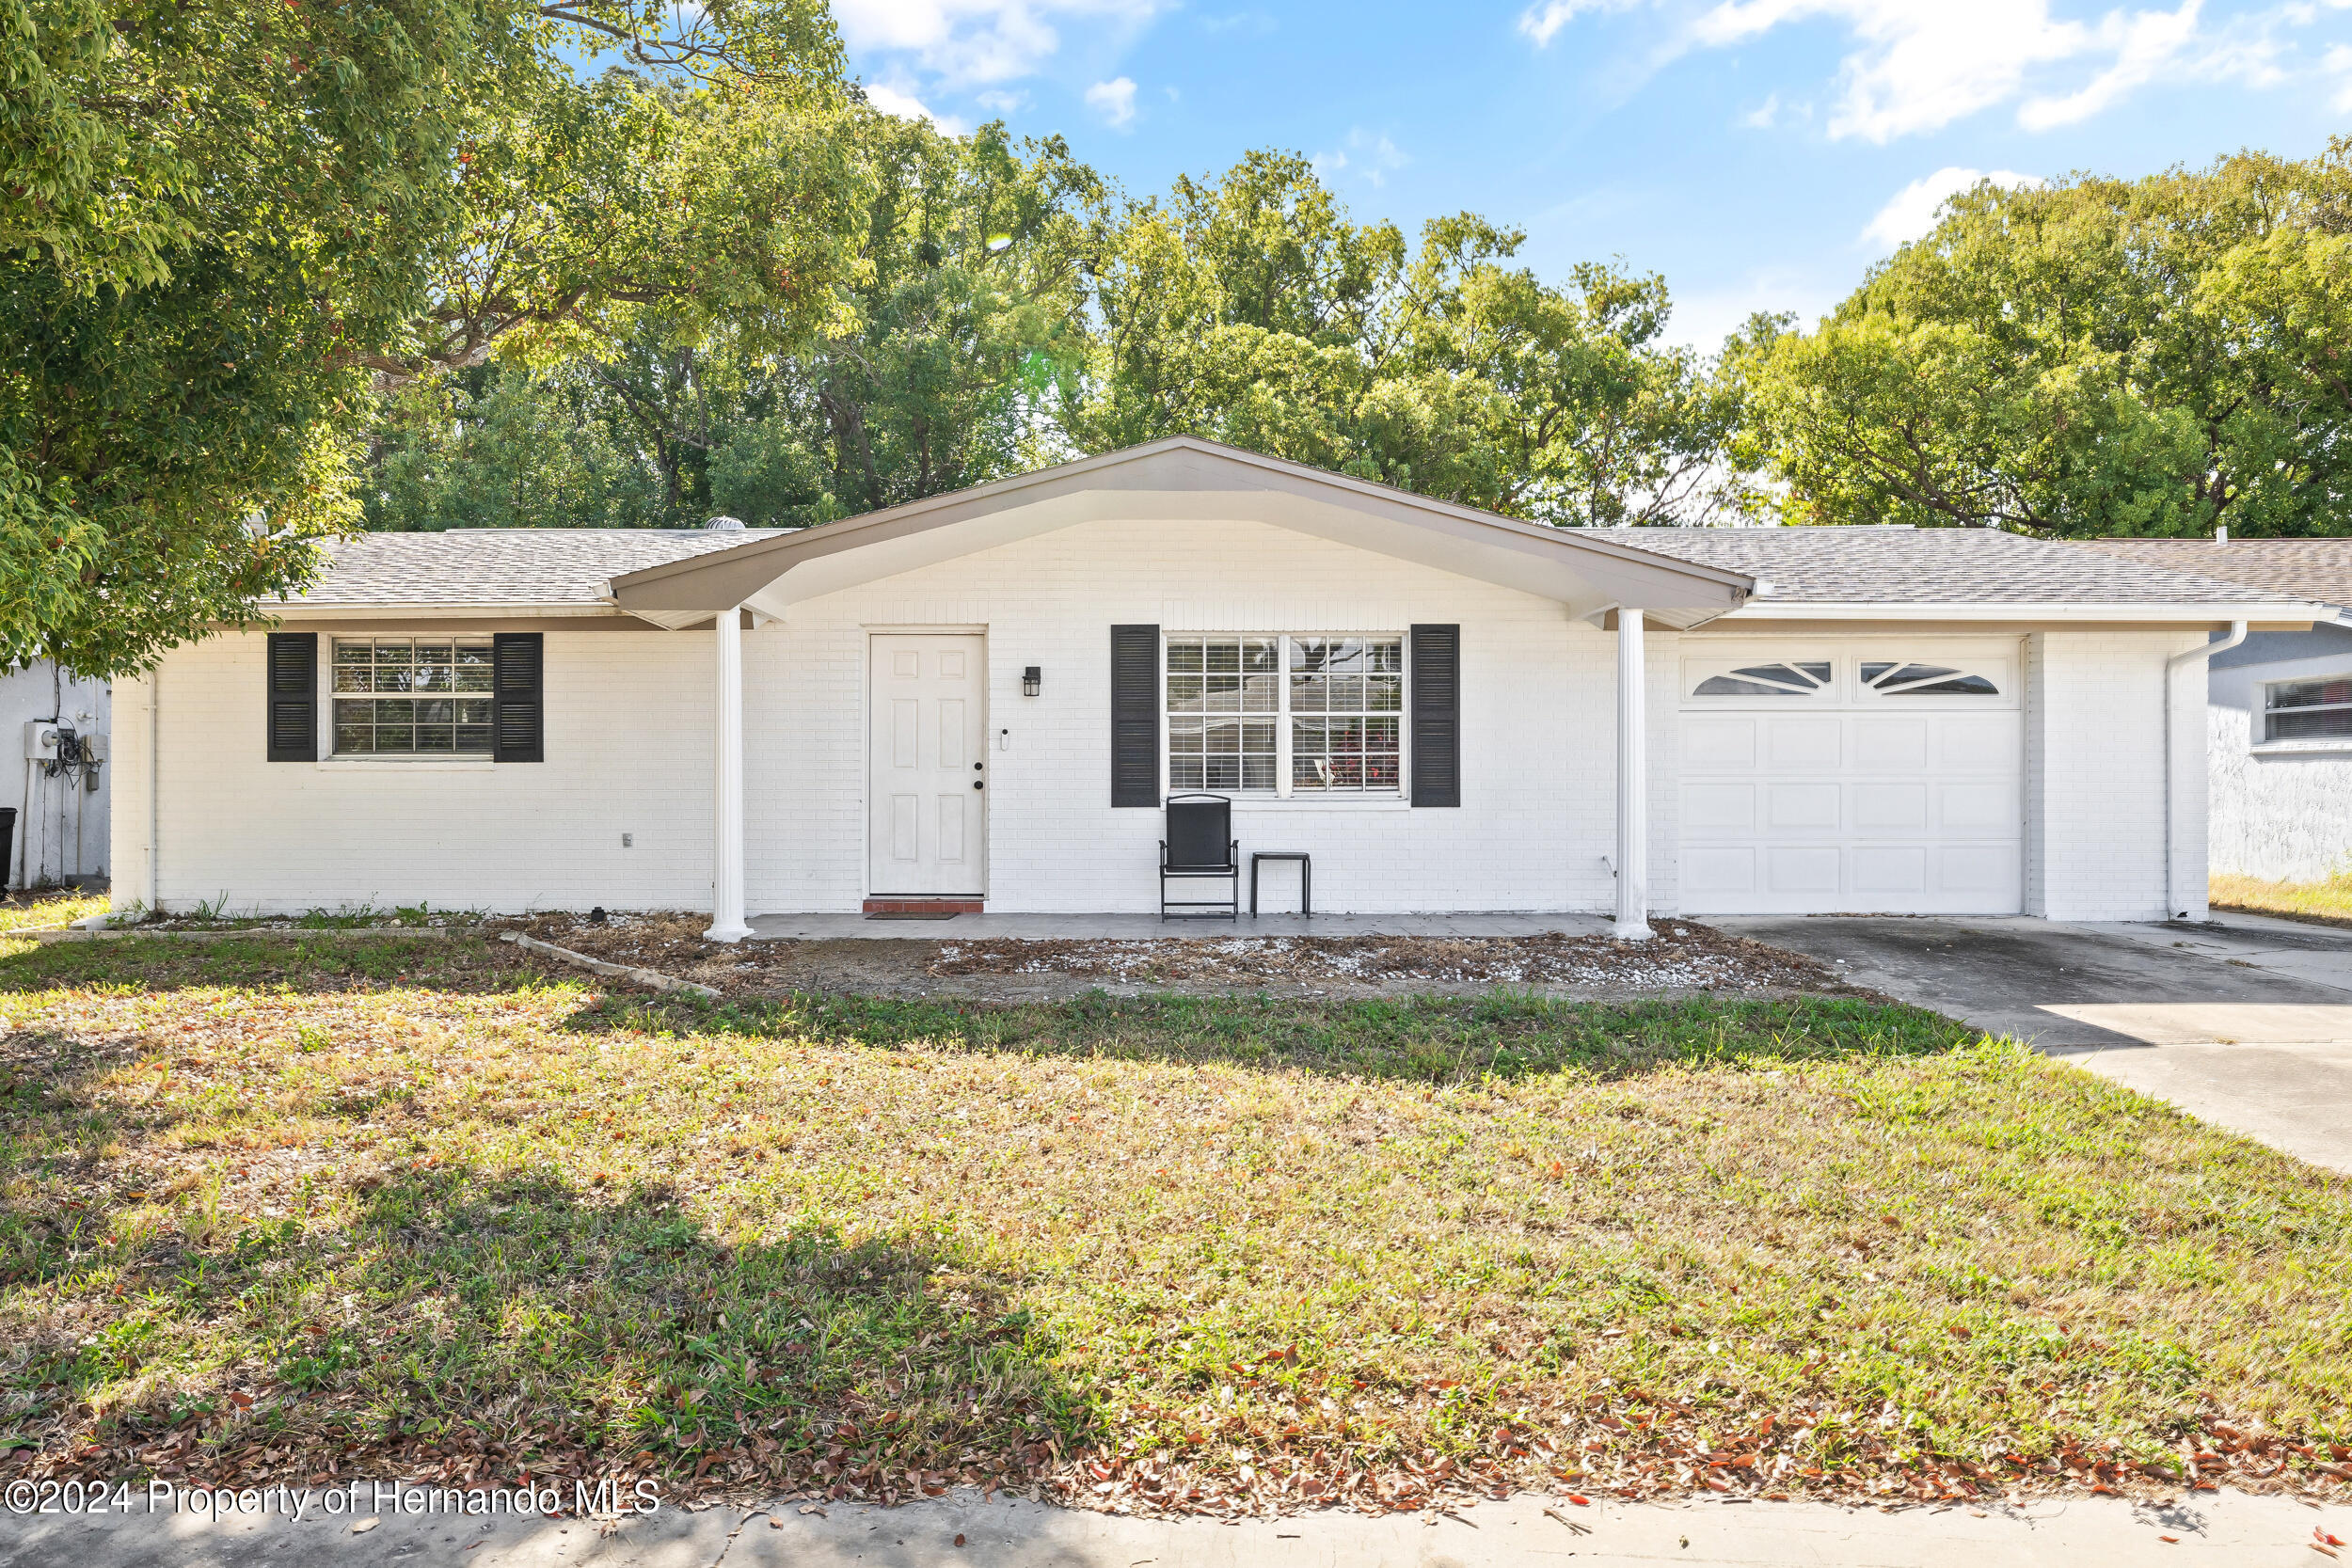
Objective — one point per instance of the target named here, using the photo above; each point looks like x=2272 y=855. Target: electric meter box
x=41 y=741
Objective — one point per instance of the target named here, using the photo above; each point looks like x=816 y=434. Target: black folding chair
x=1200 y=843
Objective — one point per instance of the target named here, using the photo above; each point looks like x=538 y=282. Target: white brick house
x=985 y=698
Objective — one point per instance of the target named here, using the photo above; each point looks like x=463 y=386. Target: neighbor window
x=412 y=697
x=1319 y=713
x=2308 y=710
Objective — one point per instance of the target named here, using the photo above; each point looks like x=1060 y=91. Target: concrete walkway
x=2244 y=1023
x=1144 y=927
x=963 y=1531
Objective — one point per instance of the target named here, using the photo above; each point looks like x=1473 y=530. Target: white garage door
x=1865 y=778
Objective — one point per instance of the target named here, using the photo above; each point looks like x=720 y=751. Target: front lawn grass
x=48 y=907
x=2330 y=902
x=300 y=1210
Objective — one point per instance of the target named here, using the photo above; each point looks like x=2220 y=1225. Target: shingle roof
x=502 y=565
x=548 y=568
x=2297 y=568
x=1932 y=565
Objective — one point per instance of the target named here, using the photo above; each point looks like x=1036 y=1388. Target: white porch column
x=1632 y=782
x=726 y=836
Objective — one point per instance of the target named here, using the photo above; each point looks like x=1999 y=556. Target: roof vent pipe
x=724 y=523
x=2222 y=534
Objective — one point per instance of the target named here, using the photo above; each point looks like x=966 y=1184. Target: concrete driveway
x=2244 y=1023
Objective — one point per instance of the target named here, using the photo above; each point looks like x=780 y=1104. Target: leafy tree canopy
x=224 y=222
x=1004 y=308
x=2096 y=357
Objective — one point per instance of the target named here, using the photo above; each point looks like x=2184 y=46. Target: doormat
x=913 y=915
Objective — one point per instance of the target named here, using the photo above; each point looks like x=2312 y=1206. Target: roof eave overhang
x=2281 y=612
x=1175 y=481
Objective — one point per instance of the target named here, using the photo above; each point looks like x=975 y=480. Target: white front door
x=1879 y=776
x=927 y=800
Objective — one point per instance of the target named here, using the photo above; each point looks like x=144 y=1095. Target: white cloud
x=1761 y=116
x=2338 y=63
x=967 y=42
x=2144 y=45
x=998 y=100
x=1254 y=22
x=1925 y=63
x=898 y=100
x=1912 y=211
x=1541 y=22
x=1372 y=155
x=1705 y=317
x=1114 y=100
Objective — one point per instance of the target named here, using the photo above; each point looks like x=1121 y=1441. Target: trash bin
x=7 y=847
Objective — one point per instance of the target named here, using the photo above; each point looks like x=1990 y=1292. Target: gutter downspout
x=2180 y=900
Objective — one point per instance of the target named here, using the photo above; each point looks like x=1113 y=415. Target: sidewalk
x=2213 y=1530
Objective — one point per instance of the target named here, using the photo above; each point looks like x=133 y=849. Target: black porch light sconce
x=1032 y=681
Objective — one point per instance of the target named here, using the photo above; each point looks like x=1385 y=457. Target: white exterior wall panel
x=629 y=750
x=1538 y=722
x=2096 y=774
x=629 y=725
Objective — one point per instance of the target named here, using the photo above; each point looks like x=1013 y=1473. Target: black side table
x=1305 y=876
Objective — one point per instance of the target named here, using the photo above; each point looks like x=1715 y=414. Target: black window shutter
x=518 y=713
x=1135 y=716
x=1437 y=654
x=293 y=696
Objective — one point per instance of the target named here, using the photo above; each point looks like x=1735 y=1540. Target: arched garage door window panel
x=1896 y=678
x=1767 y=680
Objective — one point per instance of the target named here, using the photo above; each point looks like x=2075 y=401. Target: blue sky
x=1759 y=153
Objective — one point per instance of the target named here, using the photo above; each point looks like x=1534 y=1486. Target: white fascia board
x=301 y=609
x=1785 y=609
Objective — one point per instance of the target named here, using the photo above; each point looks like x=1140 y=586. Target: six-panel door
x=927 y=797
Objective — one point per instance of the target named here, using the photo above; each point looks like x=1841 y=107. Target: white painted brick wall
x=628 y=722
x=2095 y=774
x=629 y=749
x=1538 y=765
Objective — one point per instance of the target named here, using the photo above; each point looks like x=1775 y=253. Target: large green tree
x=2095 y=356
x=997 y=308
x=224 y=223
x=1252 y=311
x=955 y=301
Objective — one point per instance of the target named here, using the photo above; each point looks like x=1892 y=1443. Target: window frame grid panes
x=1254 y=714
x=2274 y=710
x=1921 y=677
x=1771 y=677
x=410 y=697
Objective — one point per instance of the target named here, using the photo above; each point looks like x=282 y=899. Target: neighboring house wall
x=61 y=829
x=2283 y=813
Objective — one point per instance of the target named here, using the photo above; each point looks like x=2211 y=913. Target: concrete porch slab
x=1147 y=927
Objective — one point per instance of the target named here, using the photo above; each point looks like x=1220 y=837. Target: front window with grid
x=412 y=697
x=1286 y=715
x=2309 y=710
